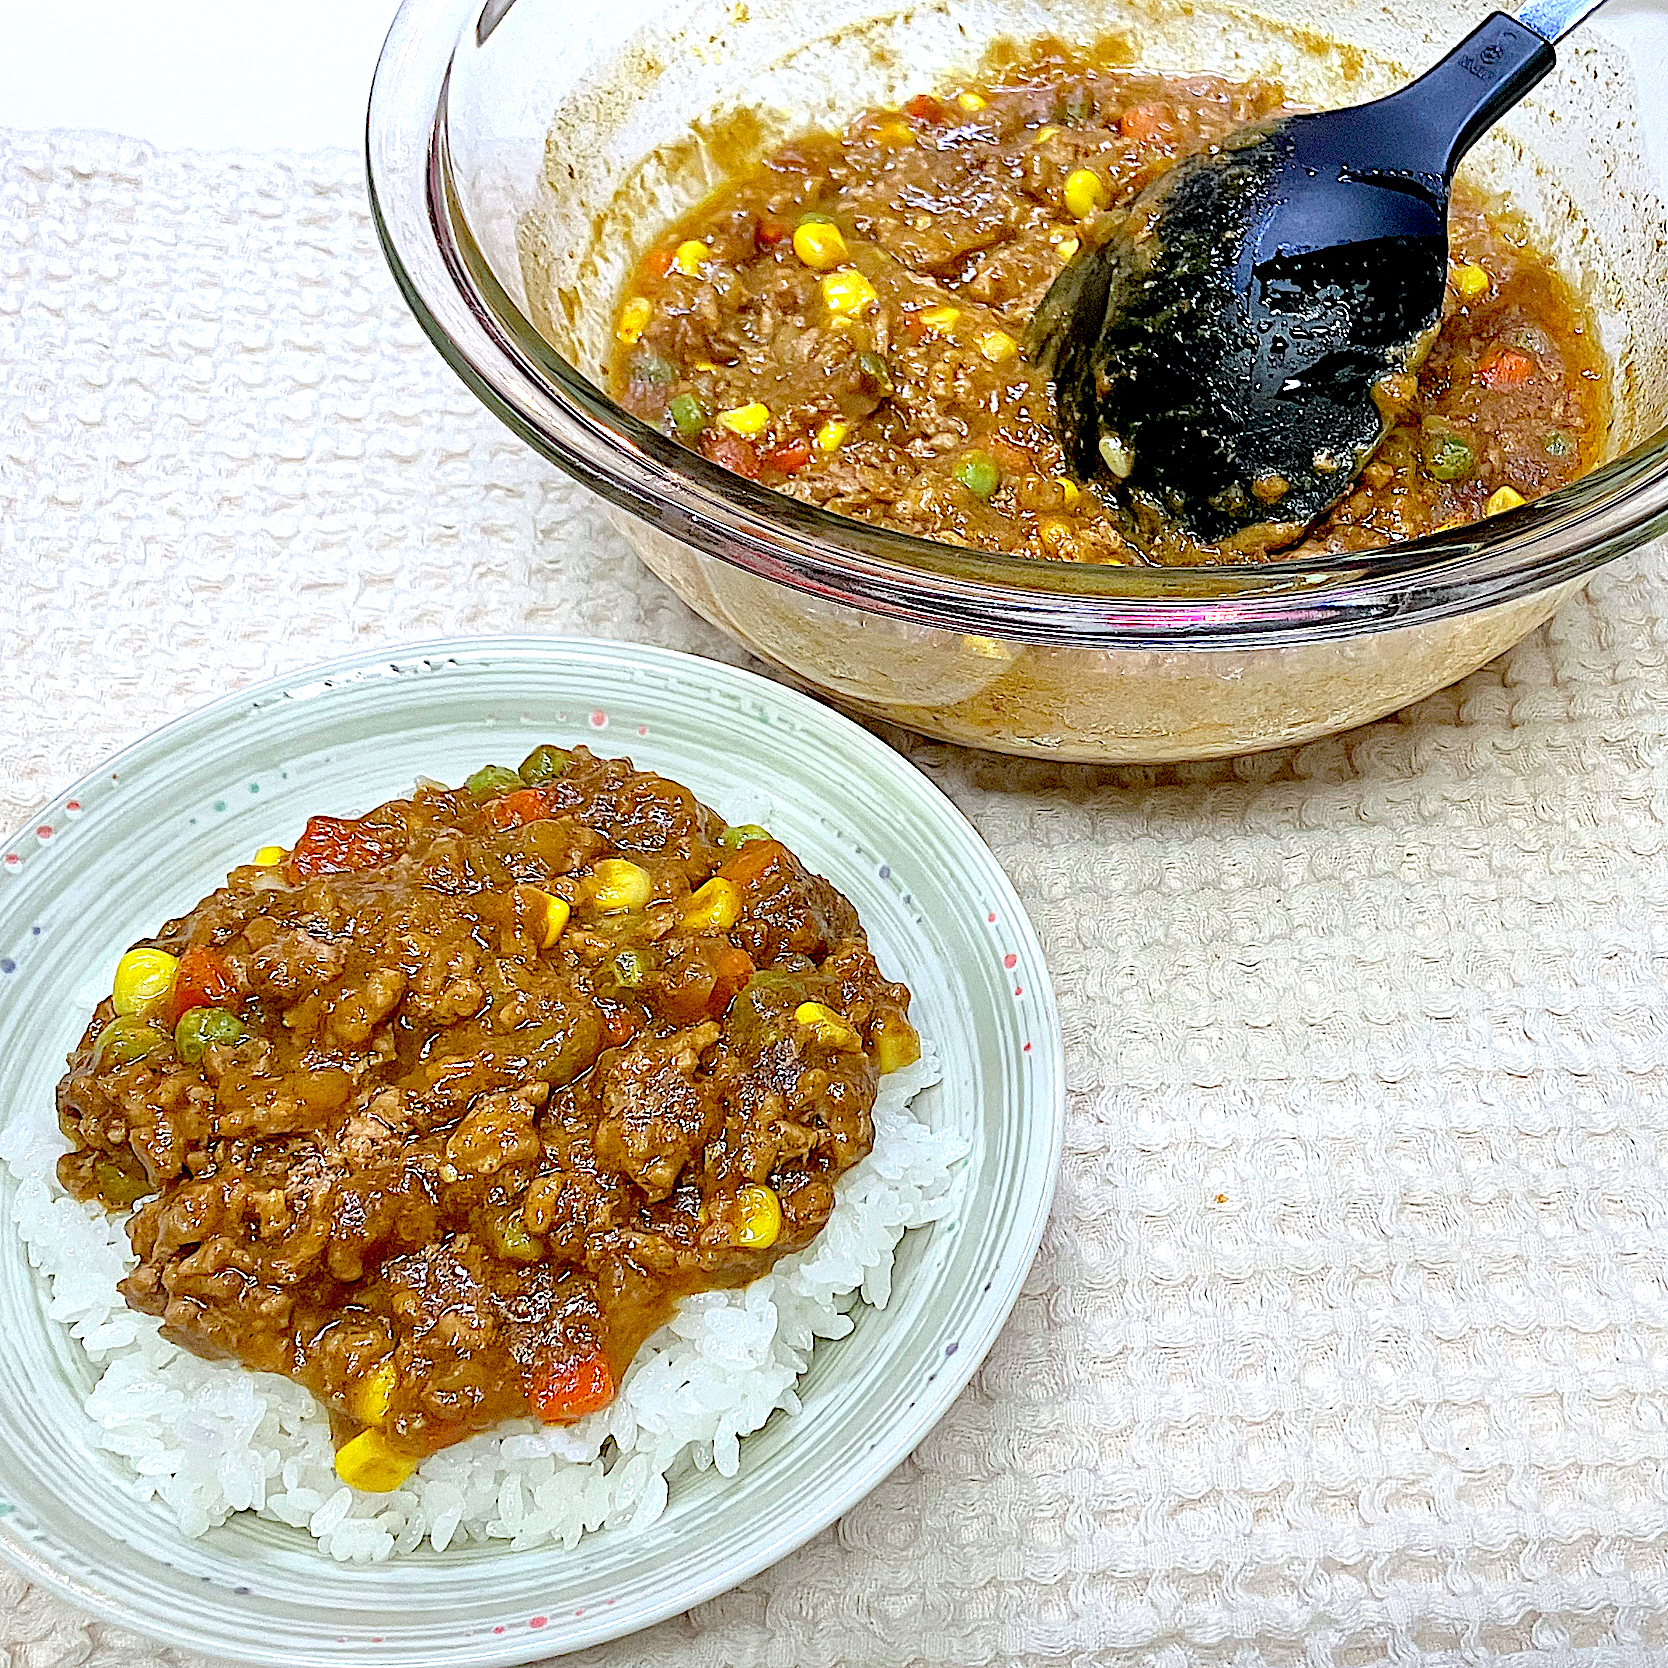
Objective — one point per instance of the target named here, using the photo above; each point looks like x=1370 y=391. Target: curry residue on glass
x=441 y=1110
x=843 y=321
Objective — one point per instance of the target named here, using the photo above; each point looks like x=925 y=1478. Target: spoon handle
x=1553 y=19
x=1442 y=115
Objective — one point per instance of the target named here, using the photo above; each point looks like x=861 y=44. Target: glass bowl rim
x=496 y=351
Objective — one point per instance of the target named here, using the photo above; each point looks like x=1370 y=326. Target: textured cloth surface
x=1348 y=1341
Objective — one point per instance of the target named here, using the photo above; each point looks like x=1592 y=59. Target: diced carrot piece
x=925 y=108
x=659 y=262
x=516 y=810
x=1505 y=368
x=788 y=458
x=735 y=968
x=562 y=1390
x=1146 y=122
x=768 y=233
x=620 y=1025
x=752 y=861
x=203 y=980
x=734 y=453
x=334 y=845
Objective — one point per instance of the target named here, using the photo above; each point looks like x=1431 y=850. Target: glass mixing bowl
x=522 y=153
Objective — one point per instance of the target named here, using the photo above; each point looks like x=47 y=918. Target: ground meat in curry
x=440 y=1111
x=844 y=322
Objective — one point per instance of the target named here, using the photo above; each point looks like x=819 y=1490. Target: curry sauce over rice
x=441 y=1110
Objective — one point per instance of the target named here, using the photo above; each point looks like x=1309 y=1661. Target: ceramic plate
x=160 y=826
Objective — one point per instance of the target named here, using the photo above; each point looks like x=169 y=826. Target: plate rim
x=868 y=1468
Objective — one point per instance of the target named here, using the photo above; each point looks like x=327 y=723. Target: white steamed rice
x=209 y=1439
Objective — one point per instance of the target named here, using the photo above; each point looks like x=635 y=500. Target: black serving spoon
x=1222 y=355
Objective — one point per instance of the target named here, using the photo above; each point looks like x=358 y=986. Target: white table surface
x=218 y=74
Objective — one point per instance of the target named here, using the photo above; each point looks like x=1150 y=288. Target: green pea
x=199 y=1027
x=492 y=782
x=118 y=1187
x=688 y=415
x=876 y=372
x=124 y=1040
x=544 y=764
x=1076 y=108
x=1558 y=445
x=814 y=217
x=512 y=1239
x=645 y=365
x=979 y=474
x=733 y=839
x=1449 y=458
x=631 y=969
x=766 y=996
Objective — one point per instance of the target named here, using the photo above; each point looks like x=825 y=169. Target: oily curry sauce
x=440 y=1111
x=844 y=322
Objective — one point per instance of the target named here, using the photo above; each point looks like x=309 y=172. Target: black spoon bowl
x=1229 y=356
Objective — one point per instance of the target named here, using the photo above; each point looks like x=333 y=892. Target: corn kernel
x=940 y=318
x=1069 y=488
x=761 y=1217
x=749 y=421
x=634 y=319
x=1085 y=192
x=691 y=256
x=998 y=346
x=1044 y=134
x=269 y=857
x=374 y=1392
x=1053 y=531
x=1066 y=248
x=716 y=907
x=550 y=916
x=895 y=136
x=896 y=1045
x=848 y=293
x=1503 y=499
x=819 y=245
x=617 y=884
x=1116 y=455
x=831 y=1028
x=368 y=1463
x=970 y=101
x=832 y=435
x=142 y=977
x=1472 y=281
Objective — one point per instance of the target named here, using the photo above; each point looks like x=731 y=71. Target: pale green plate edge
x=211 y=1625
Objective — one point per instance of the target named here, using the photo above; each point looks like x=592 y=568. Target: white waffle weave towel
x=1348 y=1343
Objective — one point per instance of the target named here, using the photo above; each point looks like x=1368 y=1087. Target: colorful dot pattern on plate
x=342 y=738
